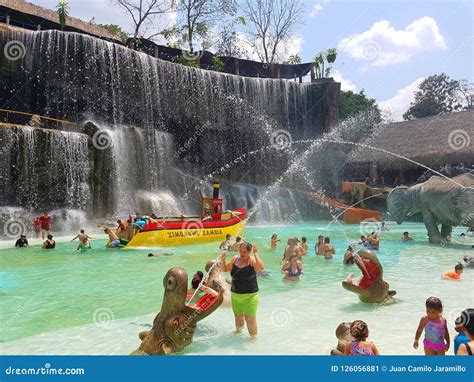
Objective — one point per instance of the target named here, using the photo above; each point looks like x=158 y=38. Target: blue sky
x=385 y=47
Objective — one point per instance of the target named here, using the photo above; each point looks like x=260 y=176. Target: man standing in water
x=45 y=225
x=244 y=291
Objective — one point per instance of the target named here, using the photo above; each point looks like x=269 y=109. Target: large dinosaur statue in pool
x=174 y=326
x=371 y=287
x=442 y=201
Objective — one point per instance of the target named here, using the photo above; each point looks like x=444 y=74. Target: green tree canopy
x=63 y=12
x=437 y=94
x=352 y=104
x=113 y=28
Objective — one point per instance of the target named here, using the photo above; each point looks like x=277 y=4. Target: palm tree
x=63 y=12
x=294 y=59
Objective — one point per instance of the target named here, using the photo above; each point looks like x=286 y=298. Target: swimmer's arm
x=421 y=326
x=462 y=350
x=375 y=350
x=259 y=265
x=347 y=348
x=75 y=238
x=446 y=336
x=227 y=267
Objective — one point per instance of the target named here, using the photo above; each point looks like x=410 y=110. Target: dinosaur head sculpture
x=371 y=287
x=173 y=328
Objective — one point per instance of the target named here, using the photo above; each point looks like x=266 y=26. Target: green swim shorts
x=246 y=303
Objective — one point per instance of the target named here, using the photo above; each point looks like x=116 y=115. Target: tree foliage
x=62 y=8
x=270 y=23
x=229 y=42
x=322 y=59
x=437 y=94
x=294 y=59
x=352 y=104
x=144 y=14
x=115 y=29
x=195 y=18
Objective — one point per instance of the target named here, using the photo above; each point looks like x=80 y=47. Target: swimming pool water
x=96 y=302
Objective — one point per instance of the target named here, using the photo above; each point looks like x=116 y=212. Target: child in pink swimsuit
x=436 y=340
x=358 y=345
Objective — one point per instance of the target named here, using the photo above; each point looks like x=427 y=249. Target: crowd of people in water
x=246 y=266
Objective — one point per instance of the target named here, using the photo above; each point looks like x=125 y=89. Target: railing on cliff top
x=19 y=117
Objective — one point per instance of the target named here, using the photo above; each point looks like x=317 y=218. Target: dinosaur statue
x=174 y=326
x=449 y=202
x=371 y=287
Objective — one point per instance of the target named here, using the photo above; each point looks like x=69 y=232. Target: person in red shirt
x=37 y=225
x=45 y=225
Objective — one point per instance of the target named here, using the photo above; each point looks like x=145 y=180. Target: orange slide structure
x=351 y=215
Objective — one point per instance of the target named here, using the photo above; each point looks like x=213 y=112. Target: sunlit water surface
x=63 y=302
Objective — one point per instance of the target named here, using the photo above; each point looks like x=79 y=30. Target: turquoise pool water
x=63 y=302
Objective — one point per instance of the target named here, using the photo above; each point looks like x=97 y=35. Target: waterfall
x=169 y=126
x=45 y=168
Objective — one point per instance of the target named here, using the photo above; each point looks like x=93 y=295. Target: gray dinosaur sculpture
x=442 y=201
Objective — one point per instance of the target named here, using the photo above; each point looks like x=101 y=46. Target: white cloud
x=318 y=7
x=290 y=46
x=383 y=45
x=400 y=102
x=346 y=85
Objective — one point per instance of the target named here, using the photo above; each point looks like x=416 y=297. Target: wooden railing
x=6 y=115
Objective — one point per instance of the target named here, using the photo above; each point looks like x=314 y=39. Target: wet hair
x=45 y=213
x=274 y=236
x=50 y=237
x=303 y=239
x=105 y=230
x=238 y=239
x=150 y=255
x=228 y=236
x=119 y=221
x=405 y=233
x=247 y=246
x=82 y=231
x=320 y=237
x=349 y=248
x=466 y=321
x=359 y=330
x=327 y=240
x=458 y=267
x=362 y=237
x=434 y=303
x=197 y=278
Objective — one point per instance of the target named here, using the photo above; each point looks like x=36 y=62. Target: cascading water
x=186 y=122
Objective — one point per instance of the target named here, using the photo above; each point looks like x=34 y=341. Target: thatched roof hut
x=433 y=141
x=30 y=16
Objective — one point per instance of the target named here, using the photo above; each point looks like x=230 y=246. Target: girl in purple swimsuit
x=358 y=344
x=436 y=340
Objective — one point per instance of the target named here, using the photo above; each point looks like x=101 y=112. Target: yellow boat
x=212 y=225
